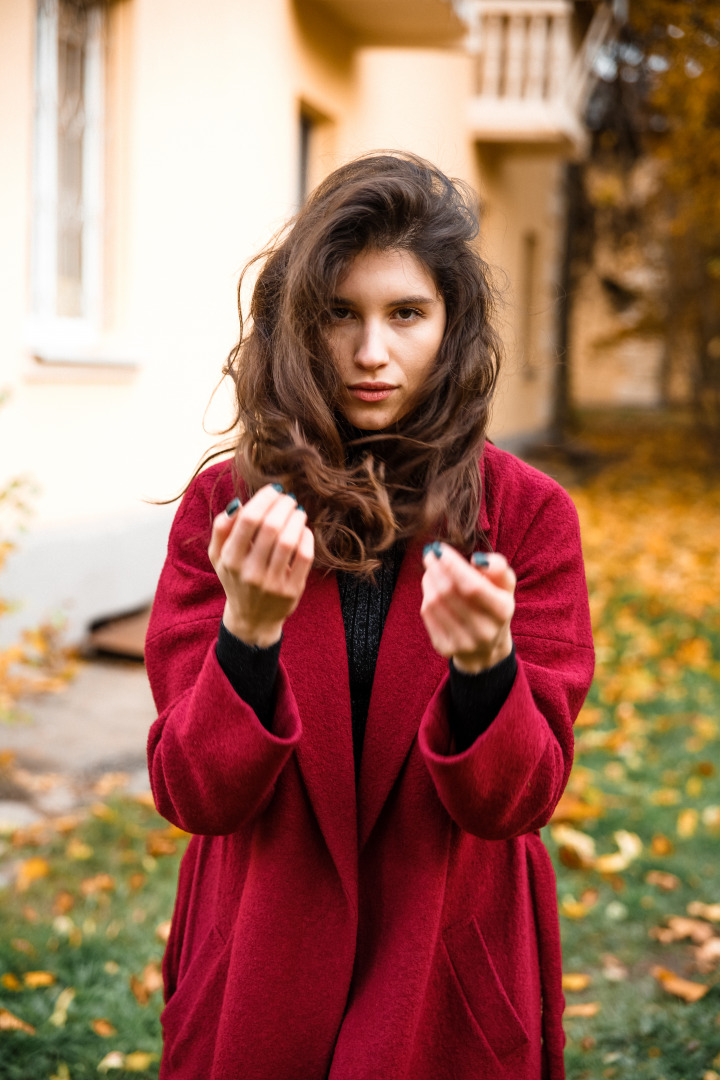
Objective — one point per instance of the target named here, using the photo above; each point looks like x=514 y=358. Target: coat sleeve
x=212 y=764
x=510 y=779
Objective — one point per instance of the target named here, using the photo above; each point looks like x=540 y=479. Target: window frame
x=55 y=338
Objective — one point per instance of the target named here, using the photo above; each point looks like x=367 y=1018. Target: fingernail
x=426 y=550
x=301 y=508
x=277 y=487
x=437 y=548
x=232 y=507
x=291 y=496
x=480 y=559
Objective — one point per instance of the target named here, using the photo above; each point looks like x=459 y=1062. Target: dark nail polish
x=301 y=508
x=437 y=548
x=277 y=487
x=232 y=507
x=291 y=496
x=480 y=559
x=426 y=550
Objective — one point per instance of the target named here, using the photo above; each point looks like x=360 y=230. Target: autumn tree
x=662 y=101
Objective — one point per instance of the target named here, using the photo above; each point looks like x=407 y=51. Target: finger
x=266 y=538
x=495 y=567
x=248 y=523
x=471 y=597
x=472 y=580
x=455 y=631
x=439 y=627
x=221 y=529
x=285 y=549
x=302 y=562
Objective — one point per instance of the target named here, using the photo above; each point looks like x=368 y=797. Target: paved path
x=93 y=733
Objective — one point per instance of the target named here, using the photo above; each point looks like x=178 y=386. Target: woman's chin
x=369 y=418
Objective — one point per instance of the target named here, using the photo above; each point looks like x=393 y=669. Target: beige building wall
x=203 y=110
x=522 y=230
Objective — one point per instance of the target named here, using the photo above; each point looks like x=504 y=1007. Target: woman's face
x=387 y=322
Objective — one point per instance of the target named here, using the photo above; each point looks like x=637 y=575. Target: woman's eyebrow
x=403 y=301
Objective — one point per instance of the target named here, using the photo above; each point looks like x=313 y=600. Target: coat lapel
x=407 y=674
x=315 y=656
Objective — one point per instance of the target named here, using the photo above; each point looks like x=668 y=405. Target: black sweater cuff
x=475 y=700
x=251 y=671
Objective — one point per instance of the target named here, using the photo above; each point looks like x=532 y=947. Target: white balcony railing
x=531 y=81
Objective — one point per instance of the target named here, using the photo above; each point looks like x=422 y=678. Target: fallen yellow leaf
x=36 y=979
x=103 y=1028
x=31 y=870
x=572 y=908
x=704 y=911
x=585 y=1008
x=162 y=930
x=10 y=1022
x=21 y=944
x=10 y=981
x=665 y=797
x=574 y=981
x=679 y=927
x=64 y=1000
x=660 y=845
x=579 y=843
x=110 y=782
x=687 y=823
x=682 y=988
x=663 y=880
x=114 y=1060
x=159 y=843
x=630 y=846
x=694 y=787
x=99 y=883
x=64 y=902
x=613 y=969
x=707 y=956
x=139 y=1061
x=78 y=849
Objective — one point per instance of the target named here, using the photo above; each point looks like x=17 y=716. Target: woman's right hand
x=262 y=556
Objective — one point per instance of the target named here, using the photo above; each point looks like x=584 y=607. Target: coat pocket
x=482 y=989
x=190 y=1018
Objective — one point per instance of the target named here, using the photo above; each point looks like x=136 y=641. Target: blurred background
x=149 y=149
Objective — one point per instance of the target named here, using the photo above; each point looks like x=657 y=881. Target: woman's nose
x=371 y=349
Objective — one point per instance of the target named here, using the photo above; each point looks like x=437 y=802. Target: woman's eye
x=407 y=314
x=340 y=313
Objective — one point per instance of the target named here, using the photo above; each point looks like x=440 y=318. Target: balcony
x=398 y=22
x=533 y=71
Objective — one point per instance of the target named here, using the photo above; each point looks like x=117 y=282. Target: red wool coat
x=404 y=930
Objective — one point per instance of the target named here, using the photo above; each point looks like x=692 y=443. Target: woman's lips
x=370 y=393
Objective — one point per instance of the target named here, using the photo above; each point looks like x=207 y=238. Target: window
x=316 y=149
x=306 y=133
x=66 y=272
x=528 y=286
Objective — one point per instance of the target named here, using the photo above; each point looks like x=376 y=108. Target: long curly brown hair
x=364 y=490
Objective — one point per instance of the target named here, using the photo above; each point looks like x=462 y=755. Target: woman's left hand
x=467 y=609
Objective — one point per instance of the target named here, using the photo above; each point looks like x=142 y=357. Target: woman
x=366 y=705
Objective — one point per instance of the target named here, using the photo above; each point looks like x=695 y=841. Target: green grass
x=650 y=767
x=95 y=947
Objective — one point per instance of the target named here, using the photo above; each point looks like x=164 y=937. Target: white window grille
x=66 y=275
